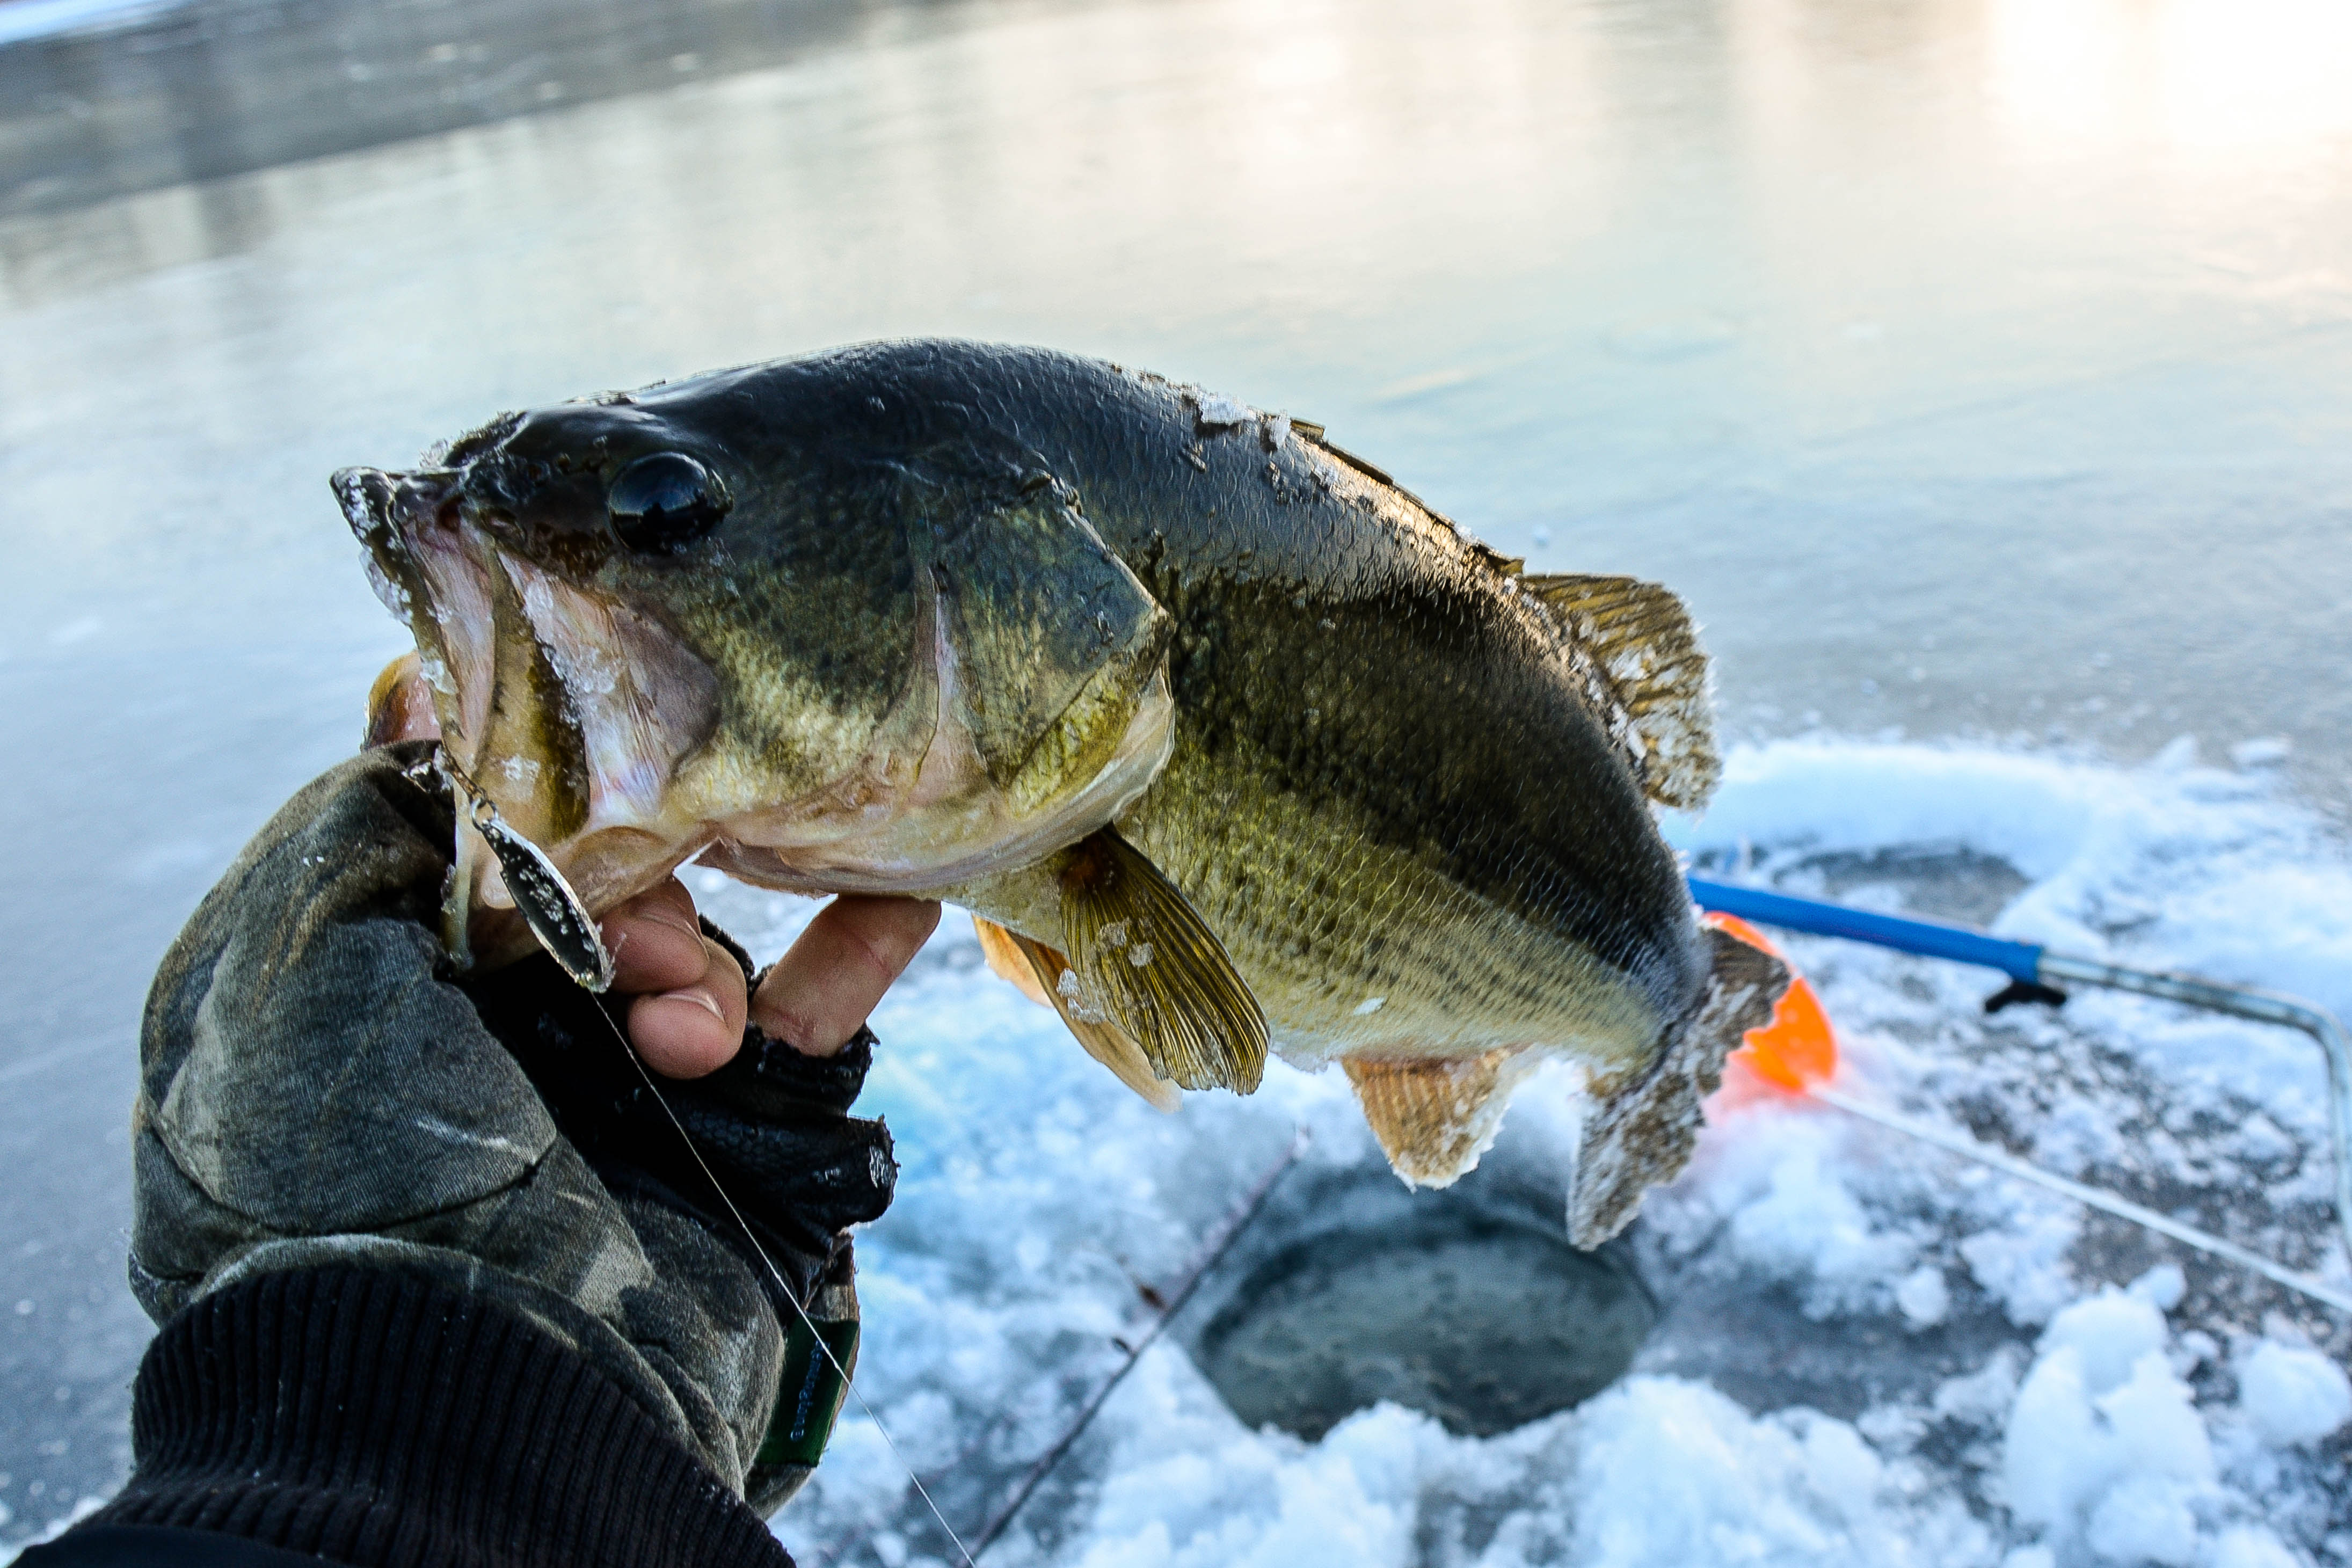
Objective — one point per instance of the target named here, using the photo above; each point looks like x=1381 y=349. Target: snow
x=2290 y=1395
x=2104 y=1442
x=2007 y=1382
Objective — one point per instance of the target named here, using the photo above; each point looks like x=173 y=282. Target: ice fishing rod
x=1205 y=1257
x=2035 y=973
x=1212 y=1251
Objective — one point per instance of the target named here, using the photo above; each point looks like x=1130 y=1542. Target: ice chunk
x=2100 y=1420
x=2146 y=1518
x=2110 y=1333
x=1214 y=411
x=2161 y=1287
x=1807 y=1226
x=2292 y=1396
x=1923 y=1296
x=2251 y=1546
x=2022 y=1263
x=1983 y=1394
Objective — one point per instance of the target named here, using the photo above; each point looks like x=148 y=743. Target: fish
x=1230 y=743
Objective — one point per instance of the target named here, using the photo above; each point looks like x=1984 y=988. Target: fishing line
x=559 y=920
x=846 y=1381
x=2121 y=1208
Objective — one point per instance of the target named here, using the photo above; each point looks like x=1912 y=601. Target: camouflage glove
x=317 y=1091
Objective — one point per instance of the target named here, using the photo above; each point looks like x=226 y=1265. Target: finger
x=400 y=704
x=687 y=1019
x=656 y=944
x=691 y=1029
x=819 y=994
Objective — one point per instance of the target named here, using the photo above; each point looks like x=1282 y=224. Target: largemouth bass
x=1229 y=742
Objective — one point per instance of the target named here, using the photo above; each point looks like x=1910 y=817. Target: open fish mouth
x=421 y=566
x=569 y=709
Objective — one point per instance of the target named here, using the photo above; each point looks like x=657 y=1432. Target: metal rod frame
x=2027 y=962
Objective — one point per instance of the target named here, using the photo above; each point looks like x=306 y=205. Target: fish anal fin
x=1644 y=650
x=1005 y=958
x=1434 y=1117
x=1102 y=1040
x=1643 y=1127
x=1145 y=959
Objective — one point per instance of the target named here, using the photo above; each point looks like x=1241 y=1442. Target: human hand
x=319 y=1093
x=687 y=1020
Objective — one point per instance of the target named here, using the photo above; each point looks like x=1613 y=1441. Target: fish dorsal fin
x=1040 y=978
x=1435 y=1117
x=1645 y=656
x=1141 y=957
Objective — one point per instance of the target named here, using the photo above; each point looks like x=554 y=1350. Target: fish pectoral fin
x=1645 y=648
x=1143 y=956
x=1103 y=1041
x=1003 y=951
x=1435 y=1117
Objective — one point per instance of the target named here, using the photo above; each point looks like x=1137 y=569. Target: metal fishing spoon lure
x=548 y=904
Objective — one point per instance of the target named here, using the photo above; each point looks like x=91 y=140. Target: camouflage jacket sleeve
x=318 y=1090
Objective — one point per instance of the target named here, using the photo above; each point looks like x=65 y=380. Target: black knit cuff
x=381 y=1421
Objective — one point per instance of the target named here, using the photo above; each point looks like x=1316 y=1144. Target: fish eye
x=662 y=503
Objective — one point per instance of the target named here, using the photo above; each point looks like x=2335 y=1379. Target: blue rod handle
x=1929 y=939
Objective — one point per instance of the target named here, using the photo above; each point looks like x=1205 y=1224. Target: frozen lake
x=1980 y=369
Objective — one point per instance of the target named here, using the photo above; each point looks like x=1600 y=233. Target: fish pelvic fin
x=1102 y=1040
x=1142 y=957
x=1642 y=1130
x=1434 y=1118
x=1644 y=655
x=1005 y=958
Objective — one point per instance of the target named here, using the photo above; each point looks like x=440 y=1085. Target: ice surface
x=2045 y=1395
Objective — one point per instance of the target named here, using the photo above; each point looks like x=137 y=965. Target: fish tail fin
x=1641 y=1132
